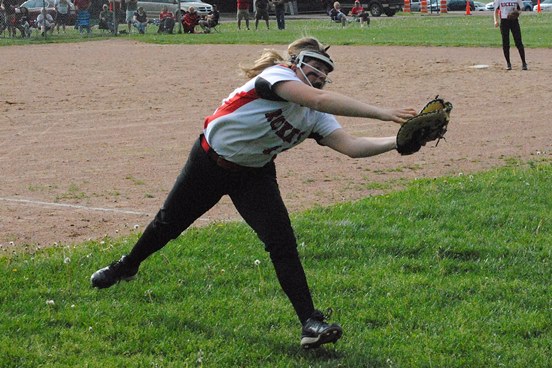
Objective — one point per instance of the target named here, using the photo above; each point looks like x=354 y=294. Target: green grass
x=449 y=272
x=409 y=30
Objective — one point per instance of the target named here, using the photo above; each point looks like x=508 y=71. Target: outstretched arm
x=338 y=104
x=357 y=147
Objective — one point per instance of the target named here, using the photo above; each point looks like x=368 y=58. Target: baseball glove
x=429 y=125
x=513 y=15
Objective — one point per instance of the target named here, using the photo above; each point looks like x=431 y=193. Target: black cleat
x=112 y=274
x=317 y=332
x=524 y=67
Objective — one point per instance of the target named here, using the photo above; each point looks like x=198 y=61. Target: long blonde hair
x=271 y=57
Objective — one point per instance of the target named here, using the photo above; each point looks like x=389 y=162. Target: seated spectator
x=45 y=22
x=106 y=19
x=336 y=15
x=190 y=20
x=166 y=21
x=140 y=20
x=359 y=14
x=22 y=22
x=211 y=20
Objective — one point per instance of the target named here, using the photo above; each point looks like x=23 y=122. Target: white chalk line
x=75 y=206
x=80 y=207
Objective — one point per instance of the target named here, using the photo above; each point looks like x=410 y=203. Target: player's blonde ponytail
x=271 y=57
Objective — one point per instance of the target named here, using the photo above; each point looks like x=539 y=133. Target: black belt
x=219 y=160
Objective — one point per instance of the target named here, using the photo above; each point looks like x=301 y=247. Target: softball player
x=279 y=107
x=507 y=24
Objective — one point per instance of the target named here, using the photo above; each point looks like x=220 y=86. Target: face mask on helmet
x=299 y=60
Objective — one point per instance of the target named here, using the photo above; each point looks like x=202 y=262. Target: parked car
x=154 y=7
x=434 y=6
x=415 y=5
x=490 y=6
x=546 y=6
x=375 y=7
x=35 y=7
x=479 y=6
x=459 y=5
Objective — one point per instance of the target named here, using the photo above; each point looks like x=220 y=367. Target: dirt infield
x=93 y=134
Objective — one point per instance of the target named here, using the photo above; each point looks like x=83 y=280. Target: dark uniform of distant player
x=507 y=24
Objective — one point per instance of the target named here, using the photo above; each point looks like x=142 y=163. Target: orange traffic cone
x=468 y=10
x=538 y=6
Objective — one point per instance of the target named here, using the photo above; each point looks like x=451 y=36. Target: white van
x=154 y=7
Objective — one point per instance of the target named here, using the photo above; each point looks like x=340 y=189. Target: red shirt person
x=190 y=20
x=243 y=12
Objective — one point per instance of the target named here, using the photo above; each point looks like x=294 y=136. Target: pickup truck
x=375 y=7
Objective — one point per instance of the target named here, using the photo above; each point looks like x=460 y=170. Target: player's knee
x=281 y=251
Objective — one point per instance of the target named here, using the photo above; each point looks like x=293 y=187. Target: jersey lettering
x=282 y=128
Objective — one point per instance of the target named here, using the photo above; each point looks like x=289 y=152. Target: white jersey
x=507 y=6
x=253 y=124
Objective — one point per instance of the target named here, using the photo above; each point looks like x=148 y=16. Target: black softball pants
x=507 y=25
x=256 y=196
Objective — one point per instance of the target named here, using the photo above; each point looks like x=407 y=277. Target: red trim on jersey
x=239 y=100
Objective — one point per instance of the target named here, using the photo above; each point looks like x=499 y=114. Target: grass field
x=449 y=272
x=412 y=30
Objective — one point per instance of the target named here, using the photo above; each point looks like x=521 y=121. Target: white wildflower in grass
x=257 y=264
x=149 y=294
x=67 y=260
x=200 y=357
x=50 y=302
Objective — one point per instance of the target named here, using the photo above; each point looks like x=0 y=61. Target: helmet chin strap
x=304 y=75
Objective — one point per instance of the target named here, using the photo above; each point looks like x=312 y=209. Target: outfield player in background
x=282 y=104
x=502 y=9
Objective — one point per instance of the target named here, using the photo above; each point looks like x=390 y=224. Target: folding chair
x=216 y=27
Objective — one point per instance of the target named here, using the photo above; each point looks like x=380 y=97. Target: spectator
x=166 y=21
x=243 y=13
x=140 y=20
x=211 y=20
x=106 y=19
x=23 y=22
x=280 y=9
x=83 y=15
x=190 y=20
x=63 y=10
x=261 y=12
x=9 y=10
x=337 y=15
x=131 y=8
x=358 y=13
x=45 y=22
x=115 y=8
